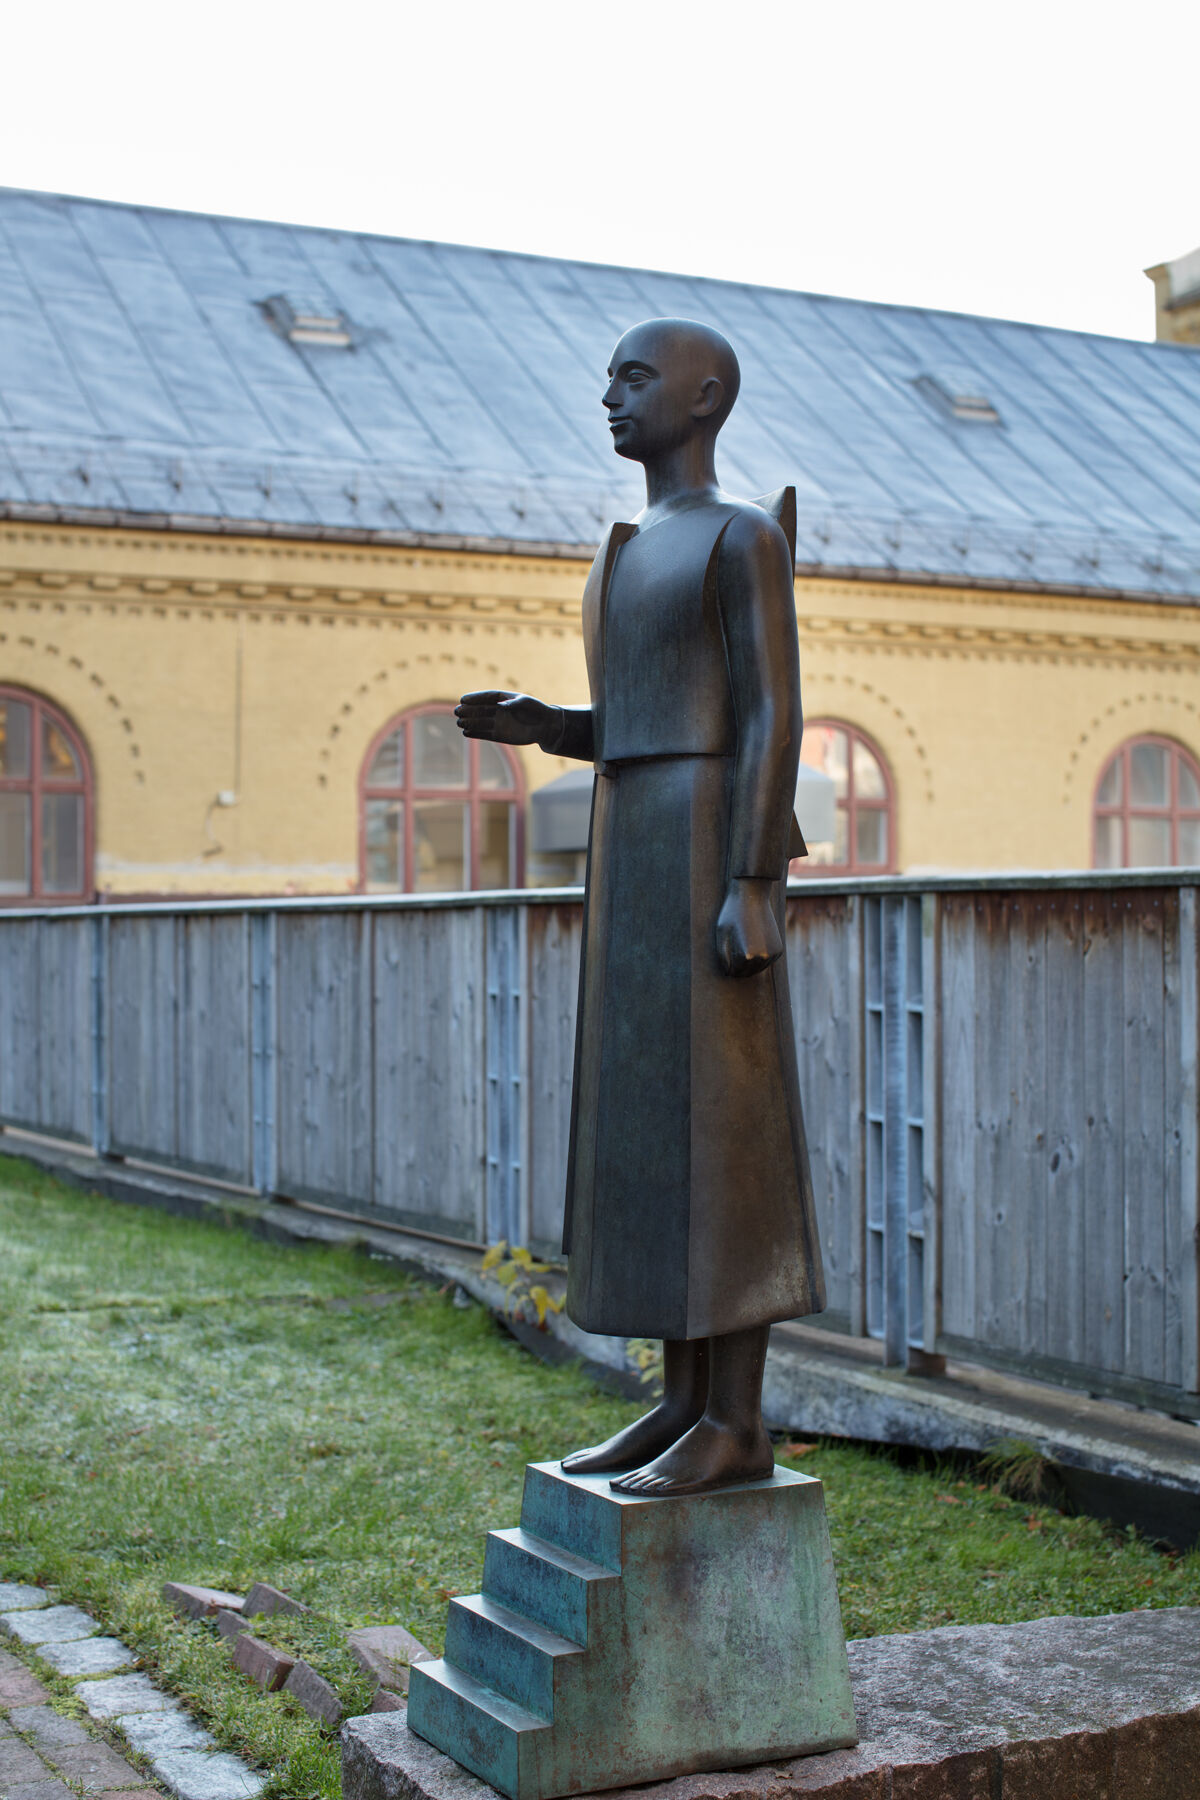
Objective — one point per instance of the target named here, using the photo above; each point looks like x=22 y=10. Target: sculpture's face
x=655 y=395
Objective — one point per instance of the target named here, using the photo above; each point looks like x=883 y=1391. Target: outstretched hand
x=505 y=718
x=748 y=939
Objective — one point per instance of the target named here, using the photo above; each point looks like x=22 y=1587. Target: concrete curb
x=1105 y=1708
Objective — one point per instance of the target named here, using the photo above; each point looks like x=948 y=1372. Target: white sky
x=1026 y=159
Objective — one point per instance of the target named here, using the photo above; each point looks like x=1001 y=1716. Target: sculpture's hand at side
x=508 y=718
x=748 y=939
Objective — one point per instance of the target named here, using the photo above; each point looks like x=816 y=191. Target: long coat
x=689 y=1198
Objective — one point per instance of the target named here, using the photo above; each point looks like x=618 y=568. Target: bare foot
x=708 y=1456
x=647 y=1437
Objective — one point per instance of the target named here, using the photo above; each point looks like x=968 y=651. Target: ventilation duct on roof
x=1177 y=299
x=957 y=394
x=1184 y=277
x=303 y=321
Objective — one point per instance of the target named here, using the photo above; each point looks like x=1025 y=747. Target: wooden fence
x=999 y=1080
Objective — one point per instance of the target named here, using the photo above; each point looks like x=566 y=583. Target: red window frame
x=851 y=805
x=472 y=795
x=36 y=784
x=1125 y=810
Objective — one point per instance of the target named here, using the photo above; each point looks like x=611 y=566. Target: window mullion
x=35 y=801
x=409 y=872
x=472 y=844
x=465 y=794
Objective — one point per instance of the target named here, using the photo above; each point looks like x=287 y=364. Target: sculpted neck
x=685 y=473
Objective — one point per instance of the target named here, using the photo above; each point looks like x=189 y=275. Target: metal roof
x=144 y=380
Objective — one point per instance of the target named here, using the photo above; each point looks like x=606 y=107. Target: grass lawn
x=183 y=1402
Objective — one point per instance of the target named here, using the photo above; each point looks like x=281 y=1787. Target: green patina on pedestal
x=622 y=1639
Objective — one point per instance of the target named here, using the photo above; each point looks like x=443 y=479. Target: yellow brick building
x=265 y=491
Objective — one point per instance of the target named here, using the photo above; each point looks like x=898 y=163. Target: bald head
x=669 y=379
x=687 y=350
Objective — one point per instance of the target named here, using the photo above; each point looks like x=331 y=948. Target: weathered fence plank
x=429 y=1103
x=1172 y=1142
x=997 y=1209
x=1104 y=1163
x=213 y=1111
x=895 y=1132
x=874 y=1175
x=1142 y=1139
x=855 y=1197
x=555 y=936
x=1187 y=1230
x=20 y=1043
x=1065 y=1131
x=45 y=1026
x=324 y=1096
x=930 y=1172
x=98 y=1022
x=1025 y=1261
x=825 y=1006
x=506 y=1214
x=959 y=1123
x=264 y=1047
x=143 y=1059
x=63 y=1060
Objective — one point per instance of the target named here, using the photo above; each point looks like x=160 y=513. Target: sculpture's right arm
x=508 y=718
x=577 y=737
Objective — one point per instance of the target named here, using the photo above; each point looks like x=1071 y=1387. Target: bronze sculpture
x=626 y=1636
x=689 y=1201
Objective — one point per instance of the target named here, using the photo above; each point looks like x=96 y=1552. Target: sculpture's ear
x=782 y=506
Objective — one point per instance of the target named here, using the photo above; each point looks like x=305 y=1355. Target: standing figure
x=689 y=1200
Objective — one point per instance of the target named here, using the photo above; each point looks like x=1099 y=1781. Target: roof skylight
x=302 y=320
x=958 y=394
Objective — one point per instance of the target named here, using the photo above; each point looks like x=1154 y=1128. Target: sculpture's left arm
x=758 y=618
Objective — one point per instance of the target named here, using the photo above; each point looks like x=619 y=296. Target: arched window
x=45 y=803
x=1147 y=808
x=440 y=812
x=864 y=839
